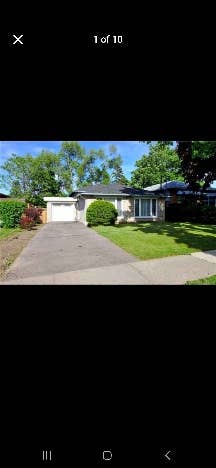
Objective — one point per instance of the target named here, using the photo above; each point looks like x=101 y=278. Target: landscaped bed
x=155 y=240
x=12 y=241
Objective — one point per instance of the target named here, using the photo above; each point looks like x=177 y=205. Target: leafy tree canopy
x=198 y=162
x=51 y=174
x=159 y=165
x=32 y=178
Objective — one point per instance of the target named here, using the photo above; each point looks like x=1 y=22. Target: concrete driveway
x=70 y=253
x=61 y=248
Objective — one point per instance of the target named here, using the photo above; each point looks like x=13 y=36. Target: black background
x=90 y=368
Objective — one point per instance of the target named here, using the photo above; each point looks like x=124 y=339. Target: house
x=175 y=191
x=133 y=205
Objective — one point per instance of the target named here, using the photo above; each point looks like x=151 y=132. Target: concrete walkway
x=70 y=253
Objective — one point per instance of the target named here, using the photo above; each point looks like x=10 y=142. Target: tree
x=198 y=162
x=115 y=164
x=16 y=190
x=160 y=165
x=72 y=157
x=118 y=175
x=17 y=170
x=80 y=168
x=45 y=178
x=33 y=178
x=51 y=174
x=99 y=167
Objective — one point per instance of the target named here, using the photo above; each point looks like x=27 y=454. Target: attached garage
x=61 y=209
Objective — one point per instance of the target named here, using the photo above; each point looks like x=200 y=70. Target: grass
x=5 y=233
x=209 y=280
x=155 y=240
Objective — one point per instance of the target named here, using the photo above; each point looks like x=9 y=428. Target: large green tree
x=99 y=166
x=72 y=161
x=33 y=177
x=159 y=165
x=51 y=174
x=115 y=164
x=198 y=162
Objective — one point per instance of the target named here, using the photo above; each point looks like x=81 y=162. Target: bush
x=192 y=212
x=101 y=212
x=33 y=213
x=10 y=212
x=26 y=222
x=208 y=214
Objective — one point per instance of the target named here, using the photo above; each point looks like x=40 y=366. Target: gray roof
x=181 y=187
x=110 y=189
x=171 y=184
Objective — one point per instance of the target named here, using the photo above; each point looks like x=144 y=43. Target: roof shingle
x=110 y=189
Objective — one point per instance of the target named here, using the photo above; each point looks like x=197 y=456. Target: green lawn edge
x=157 y=240
x=209 y=280
x=6 y=233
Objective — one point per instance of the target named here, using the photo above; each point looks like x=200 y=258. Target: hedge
x=191 y=212
x=101 y=212
x=10 y=212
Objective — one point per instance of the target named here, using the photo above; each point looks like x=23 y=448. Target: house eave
x=60 y=199
x=126 y=195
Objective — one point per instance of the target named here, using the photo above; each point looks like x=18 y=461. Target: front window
x=145 y=208
x=137 y=207
x=154 y=207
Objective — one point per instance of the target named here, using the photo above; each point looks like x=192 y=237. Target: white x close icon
x=18 y=39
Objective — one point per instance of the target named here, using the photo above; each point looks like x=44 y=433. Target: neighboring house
x=3 y=196
x=133 y=205
x=176 y=192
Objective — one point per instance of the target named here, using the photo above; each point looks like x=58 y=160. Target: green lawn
x=155 y=240
x=5 y=232
x=209 y=280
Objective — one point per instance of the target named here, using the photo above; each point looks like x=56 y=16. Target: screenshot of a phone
x=102 y=230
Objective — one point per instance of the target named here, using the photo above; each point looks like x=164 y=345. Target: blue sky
x=130 y=151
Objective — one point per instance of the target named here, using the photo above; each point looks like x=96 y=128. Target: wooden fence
x=43 y=216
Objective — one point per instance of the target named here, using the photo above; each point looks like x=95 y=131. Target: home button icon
x=107 y=455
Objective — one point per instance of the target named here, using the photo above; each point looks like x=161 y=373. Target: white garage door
x=63 y=212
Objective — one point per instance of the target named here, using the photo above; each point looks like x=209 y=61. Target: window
x=154 y=207
x=145 y=207
x=137 y=207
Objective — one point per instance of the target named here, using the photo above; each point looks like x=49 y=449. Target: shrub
x=192 y=212
x=26 y=222
x=10 y=212
x=208 y=214
x=101 y=212
x=33 y=213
